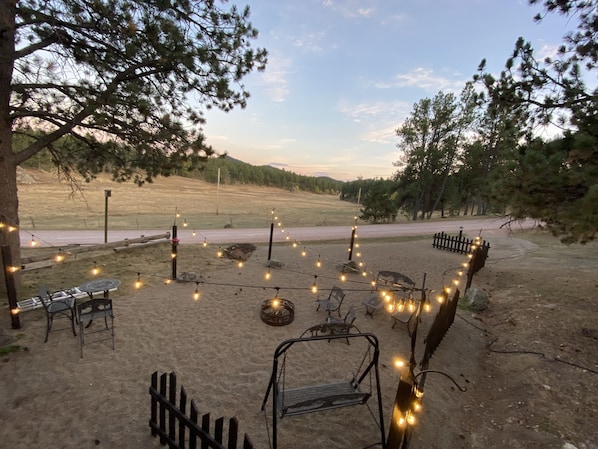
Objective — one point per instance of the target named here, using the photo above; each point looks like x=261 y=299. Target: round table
x=99 y=285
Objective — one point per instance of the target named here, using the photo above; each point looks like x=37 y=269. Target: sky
x=343 y=75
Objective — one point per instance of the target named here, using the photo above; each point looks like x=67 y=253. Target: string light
x=95 y=270
x=314 y=286
x=196 y=293
x=59 y=257
x=205 y=242
x=219 y=252
x=268 y=275
x=318 y=262
x=32 y=243
x=138 y=282
x=304 y=252
x=240 y=264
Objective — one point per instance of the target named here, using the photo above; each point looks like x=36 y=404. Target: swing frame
x=317 y=398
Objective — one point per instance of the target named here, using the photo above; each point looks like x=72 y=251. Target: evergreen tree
x=116 y=76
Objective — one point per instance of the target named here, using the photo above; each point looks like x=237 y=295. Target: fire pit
x=277 y=311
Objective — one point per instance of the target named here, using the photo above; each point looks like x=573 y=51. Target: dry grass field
x=45 y=203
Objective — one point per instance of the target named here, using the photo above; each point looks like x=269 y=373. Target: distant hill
x=235 y=171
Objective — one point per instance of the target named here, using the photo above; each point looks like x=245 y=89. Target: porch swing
x=318 y=398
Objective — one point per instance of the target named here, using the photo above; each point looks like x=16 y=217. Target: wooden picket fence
x=463 y=245
x=178 y=430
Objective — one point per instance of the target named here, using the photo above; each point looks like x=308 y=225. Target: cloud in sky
x=344 y=74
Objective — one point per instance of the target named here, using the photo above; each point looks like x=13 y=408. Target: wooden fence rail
x=168 y=419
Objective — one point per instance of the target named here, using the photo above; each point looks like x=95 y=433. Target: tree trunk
x=9 y=206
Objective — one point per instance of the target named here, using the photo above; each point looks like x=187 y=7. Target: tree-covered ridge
x=233 y=171
x=230 y=170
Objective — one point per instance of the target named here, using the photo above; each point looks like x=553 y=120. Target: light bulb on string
x=138 y=282
x=318 y=262
x=167 y=281
x=343 y=277
x=240 y=264
x=193 y=233
x=411 y=419
x=185 y=223
x=276 y=300
x=399 y=363
x=219 y=252
x=59 y=257
x=95 y=270
x=304 y=252
x=314 y=286
x=196 y=293
x=205 y=242
x=295 y=244
x=33 y=243
x=268 y=275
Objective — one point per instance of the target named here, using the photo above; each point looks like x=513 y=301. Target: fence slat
x=219 y=429
x=205 y=425
x=233 y=428
x=162 y=424
x=183 y=409
x=193 y=417
x=154 y=402
x=172 y=400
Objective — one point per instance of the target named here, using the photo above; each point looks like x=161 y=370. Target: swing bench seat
x=297 y=401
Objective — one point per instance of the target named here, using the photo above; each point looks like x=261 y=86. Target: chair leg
x=81 y=338
x=112 y=330
x=73 y=317
x=48 y=327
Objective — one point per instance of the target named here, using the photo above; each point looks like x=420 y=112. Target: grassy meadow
x=46 y=203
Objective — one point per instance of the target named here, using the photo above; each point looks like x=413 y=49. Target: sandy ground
x=222 y=353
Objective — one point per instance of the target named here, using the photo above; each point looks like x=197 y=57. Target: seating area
x=385 y=282
x=63 y=305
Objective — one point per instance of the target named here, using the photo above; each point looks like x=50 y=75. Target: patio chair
x=342 y=325
x=63 y=306
x=333 y=302
x=92 y=310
